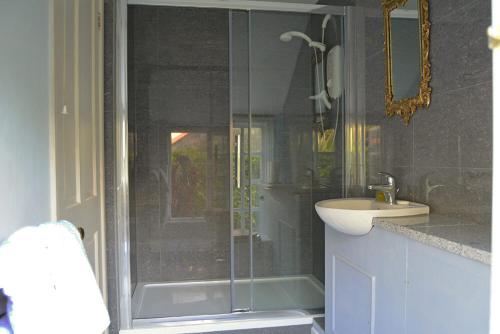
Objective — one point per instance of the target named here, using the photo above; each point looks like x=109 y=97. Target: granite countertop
x=455 y=235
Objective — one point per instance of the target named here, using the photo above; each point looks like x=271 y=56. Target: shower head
x=287 y=37
x=325 y=20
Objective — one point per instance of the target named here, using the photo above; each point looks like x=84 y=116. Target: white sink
x=354 y=215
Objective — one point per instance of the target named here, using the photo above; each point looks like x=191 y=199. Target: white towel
x=52 y=289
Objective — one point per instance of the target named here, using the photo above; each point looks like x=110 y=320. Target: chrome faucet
x=389 y=189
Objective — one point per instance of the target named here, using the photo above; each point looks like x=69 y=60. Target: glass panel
x=213 y=190
x=188 y=174
x=254 y=191
x=256 y=161
x=255 y=140
x=295 y=149
x=180 y=120
x=241 y=236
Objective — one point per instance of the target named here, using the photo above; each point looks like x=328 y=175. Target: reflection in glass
x=293 y=159
x=229 y=154
x=405 y=51
x=246 y=199
x=188 y=174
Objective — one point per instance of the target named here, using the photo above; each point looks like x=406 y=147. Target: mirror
x=406 y=31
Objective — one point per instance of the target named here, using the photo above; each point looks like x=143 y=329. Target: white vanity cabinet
x=446 y=293
x=385 y=283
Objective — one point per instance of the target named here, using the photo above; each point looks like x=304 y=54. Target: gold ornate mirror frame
x=406 y=107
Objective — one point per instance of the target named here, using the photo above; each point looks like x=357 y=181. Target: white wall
x=24 y=114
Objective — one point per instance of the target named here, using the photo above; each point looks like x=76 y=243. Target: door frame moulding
x=246 y=5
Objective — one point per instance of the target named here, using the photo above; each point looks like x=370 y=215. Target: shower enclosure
x=225 y=144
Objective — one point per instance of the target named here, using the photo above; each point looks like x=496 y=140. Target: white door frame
x=97 y=47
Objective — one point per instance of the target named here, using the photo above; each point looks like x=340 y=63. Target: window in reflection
x=188 y=174
x=198 y=169
x=246 y=193
x=325 y=157
x=373 y=152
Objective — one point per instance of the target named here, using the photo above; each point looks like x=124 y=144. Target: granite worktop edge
x=451 y=246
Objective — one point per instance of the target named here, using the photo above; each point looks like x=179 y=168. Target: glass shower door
x=229 y=149
x=180 y=135
x=282 y=116
x=287 y=154
x=290 y=145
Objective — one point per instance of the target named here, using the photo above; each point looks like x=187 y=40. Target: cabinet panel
x=354 y=285
x=417 y=288
x=446 y=293
x=381 y=254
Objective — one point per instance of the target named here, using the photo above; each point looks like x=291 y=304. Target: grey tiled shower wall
x=444 y=157
x=178 y=81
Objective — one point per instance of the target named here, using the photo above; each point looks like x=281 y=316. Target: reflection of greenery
x=196 y=174
x=254 y=192
x=325 y=158
x=238 y=223
x=255 y=196
x=325 y=141
x=236 y=197
x=219 y=174
x=255 y=162
x=254 y=221
x=237 y=220
x=325 y=165
x=220 y=191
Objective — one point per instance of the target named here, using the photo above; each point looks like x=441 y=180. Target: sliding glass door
x=180 y=169
x=287 y=143
x=232 y=125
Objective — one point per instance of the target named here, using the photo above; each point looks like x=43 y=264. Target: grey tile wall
x=179 y=82
x=444 y=157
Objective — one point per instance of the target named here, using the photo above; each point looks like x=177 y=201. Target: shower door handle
x=238 y=161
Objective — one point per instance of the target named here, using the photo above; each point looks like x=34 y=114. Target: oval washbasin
x=354 y=215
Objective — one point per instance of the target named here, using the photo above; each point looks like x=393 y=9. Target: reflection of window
x=373 y=152
x=246 y=198
x=198 y=169
x=325 y=158
x=188 y=174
